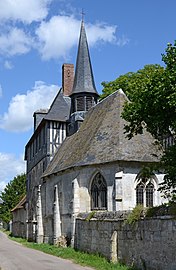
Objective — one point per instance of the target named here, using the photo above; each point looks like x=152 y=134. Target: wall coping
x=117 y=216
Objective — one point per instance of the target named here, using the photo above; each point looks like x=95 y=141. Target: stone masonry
x=148 y=244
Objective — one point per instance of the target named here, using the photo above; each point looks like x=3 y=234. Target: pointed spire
x=82 y=13
x=84 y=80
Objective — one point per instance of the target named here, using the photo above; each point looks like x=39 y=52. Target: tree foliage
x=155 y=102
x=152 y=95
x=12 y=194
x=142 y=88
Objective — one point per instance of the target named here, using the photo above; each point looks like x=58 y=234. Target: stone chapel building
x=79 y=160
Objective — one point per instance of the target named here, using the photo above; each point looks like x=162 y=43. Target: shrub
x=136 y=214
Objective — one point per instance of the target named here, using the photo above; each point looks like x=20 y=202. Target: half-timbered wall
x=37 y=149
x=42 y=149
x=57 y=134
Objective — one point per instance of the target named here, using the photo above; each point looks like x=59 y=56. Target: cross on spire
x=83 y=80
x=82 y=13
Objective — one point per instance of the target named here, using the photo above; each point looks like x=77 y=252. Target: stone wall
x=19 y=223
x=149 y=244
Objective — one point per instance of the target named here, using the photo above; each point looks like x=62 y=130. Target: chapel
x=79 y=159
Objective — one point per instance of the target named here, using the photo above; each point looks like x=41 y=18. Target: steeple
x=84 y=80
x=84 y=94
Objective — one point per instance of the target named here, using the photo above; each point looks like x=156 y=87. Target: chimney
x=67 y=78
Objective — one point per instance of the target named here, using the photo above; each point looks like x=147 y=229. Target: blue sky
x=38 y=36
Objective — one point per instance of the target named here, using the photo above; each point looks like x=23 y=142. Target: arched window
x=149 y=194
x=144 y=192
x=140 y=193
x=98 y=193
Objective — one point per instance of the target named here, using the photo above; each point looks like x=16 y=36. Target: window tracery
x=145 y=192
x=98 y=193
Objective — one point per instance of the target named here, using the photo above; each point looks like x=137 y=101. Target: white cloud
x=101 y=32
x=54 y=38
x=10 y=166
x=8 y=64
x=21 y=108
x=26 y=11
x=15 y=42
x=57 y=36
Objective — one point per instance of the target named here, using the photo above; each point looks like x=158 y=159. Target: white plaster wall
x=128 y=197
x=129 y=192
x=124 y=200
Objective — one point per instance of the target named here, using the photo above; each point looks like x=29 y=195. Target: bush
x=162 y=210
x=136 y=214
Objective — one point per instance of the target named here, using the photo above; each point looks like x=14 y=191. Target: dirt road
x=14 y=256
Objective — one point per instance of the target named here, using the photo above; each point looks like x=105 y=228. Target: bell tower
x=84 y=94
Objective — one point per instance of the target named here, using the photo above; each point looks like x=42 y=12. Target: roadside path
x=14 y=256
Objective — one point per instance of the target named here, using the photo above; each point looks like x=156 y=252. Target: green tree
x=12 y=194
x=142 y=88
x=152 y=95
x=155 y=103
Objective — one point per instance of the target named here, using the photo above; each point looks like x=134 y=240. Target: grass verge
x=95 y=261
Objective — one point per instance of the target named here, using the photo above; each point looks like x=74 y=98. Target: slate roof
x=83 y=80
x=101 y=139
x=58 y=111
x=60 y=108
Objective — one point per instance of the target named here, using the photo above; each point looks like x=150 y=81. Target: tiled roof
x=20 y=204
x=101 y=139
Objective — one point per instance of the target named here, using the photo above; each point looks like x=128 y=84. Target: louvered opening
x=89 y=102
x=83 y=103
x=80 y=104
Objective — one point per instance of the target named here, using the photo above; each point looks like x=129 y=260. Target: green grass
x=82 y=258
